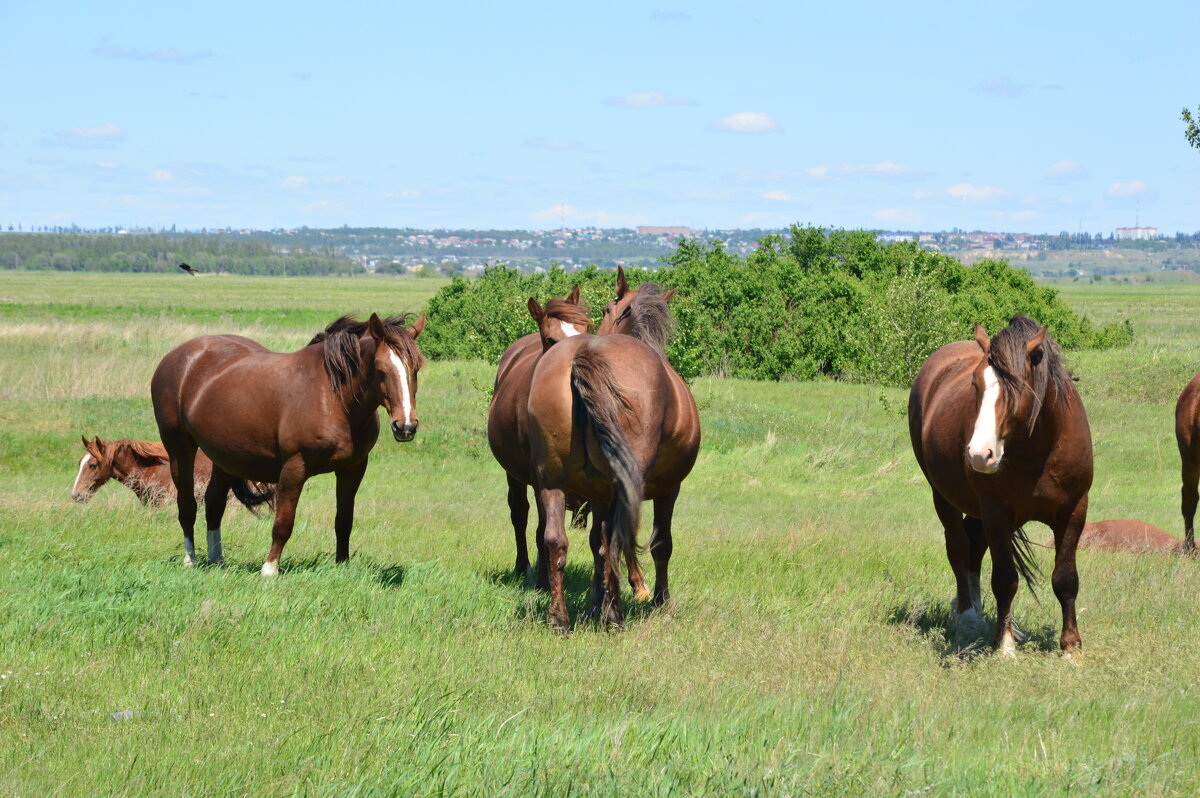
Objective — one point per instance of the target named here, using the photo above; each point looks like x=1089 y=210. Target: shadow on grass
x=935 y=623
x=577 y=589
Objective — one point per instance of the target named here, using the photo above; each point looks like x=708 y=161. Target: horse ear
x=573 y=297
x=981 y=337
x=535 y=310
x=668 y=294
x=375 y=327
x=98 y=446
x=622 y=283
x=417 y=326
x=1036 y=341
x=86 y=442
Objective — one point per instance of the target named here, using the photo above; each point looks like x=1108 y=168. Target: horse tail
x=1027 y=567
x=598 y=398
x=253 y=494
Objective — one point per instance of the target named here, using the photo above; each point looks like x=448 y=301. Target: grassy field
x=806 y=649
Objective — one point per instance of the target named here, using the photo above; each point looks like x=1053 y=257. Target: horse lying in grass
x=610 y=421
x=145 y=468
x=1002 y=437
x=1127 y=534
x=282 y=418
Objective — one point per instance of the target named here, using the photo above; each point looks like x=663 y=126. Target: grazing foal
x=141 y=466
x=1002 y=437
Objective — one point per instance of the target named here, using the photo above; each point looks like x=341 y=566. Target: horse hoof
x=188 y=562
x=270 y=569
x=641 y=594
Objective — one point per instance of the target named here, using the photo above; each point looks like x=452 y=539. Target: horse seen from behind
x=284 y=417
x=1002 y=437
x=1187 y=435
x=610 y=421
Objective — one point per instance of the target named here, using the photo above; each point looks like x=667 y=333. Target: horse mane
x=652 y=320
x=1007 y=356
x=145 y=450
x=340 y=351
x=576 y=315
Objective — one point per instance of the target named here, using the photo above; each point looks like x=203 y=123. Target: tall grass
x=807 y=648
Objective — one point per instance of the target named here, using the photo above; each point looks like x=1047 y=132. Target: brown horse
x=141 y=466
x=1187 y=435
x=1001 y=434
x=611 y=421
x=273 y=417
x=508 y=434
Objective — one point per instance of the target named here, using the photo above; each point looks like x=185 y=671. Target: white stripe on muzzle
x=79 y=476
x=405 y=398
x=985 y=449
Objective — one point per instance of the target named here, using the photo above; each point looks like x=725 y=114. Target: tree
x=1192 y=133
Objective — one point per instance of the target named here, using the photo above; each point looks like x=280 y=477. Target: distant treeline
x=831 y=303
x=163 y=253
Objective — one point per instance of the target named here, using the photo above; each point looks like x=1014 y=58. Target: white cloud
x=161 y=176
x=319 y=205
x=1024 y=216
x=1066 y=170
x=167 y=55
x=86 y=137
x=295 y=182
x=707 y=195
x=649 y=99
x=780 y=196
x=406 y=194
x=748 y=122
x=552 y=144
x=921 y=194
x=971 y=193
x=768 y=176
x=886 y=169
x=107 y=164
x=1126 y=188
x=1001 y=86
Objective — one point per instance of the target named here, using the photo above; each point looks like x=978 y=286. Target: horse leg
x=974 y=529
x=552 y=503
x=518 y=513
x=958 y=551
x=348 y=480
x=182 y=450
x=216 y=494
x=597 y=538
x=287 y=496
x=1190 y=495
x=1005 y=581
x=661 y=544
x=1065 y=577
x=612 y=614
x=541 y=579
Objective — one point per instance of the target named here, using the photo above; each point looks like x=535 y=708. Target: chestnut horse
x=274 y=417
x=141 y=466
x=1187 y=435
x=1002 y=437
x=508 y=434
x=610 y=421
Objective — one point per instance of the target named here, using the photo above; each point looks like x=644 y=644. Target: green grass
x=806 y=649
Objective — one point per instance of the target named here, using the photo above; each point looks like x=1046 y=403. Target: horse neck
x=130 y=471
x=361 y=396
x=1052 y=416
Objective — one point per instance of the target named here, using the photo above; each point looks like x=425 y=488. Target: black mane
x=1007 y=356
x=652 y=320
x=342 y=361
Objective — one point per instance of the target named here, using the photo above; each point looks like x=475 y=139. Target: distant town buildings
x=1136 y=233
x=686 y=232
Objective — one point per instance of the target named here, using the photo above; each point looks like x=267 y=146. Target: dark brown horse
x=1187 y=435
x=610 y=421
x=1001 y=434
x=272 y=417
x=508 y=434
x=141 y=466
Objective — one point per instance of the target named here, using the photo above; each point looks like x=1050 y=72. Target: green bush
x=819 y=302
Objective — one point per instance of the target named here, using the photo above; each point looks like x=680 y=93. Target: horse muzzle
x=80 y=498
x=985 y=461
x=403 y=433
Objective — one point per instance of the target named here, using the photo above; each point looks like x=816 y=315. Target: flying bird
x=188 y=269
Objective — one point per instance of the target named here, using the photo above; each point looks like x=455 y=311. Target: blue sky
x=999 y=116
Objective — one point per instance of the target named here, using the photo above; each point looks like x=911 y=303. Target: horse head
x=561 y=318
x=397 y=361
x=94 y=469
x=1012 y=378
x=642 y=313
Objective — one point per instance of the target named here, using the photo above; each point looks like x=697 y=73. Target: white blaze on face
x=568 y=329
x=985 y=449
x=82 y=465
x=405 y=397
